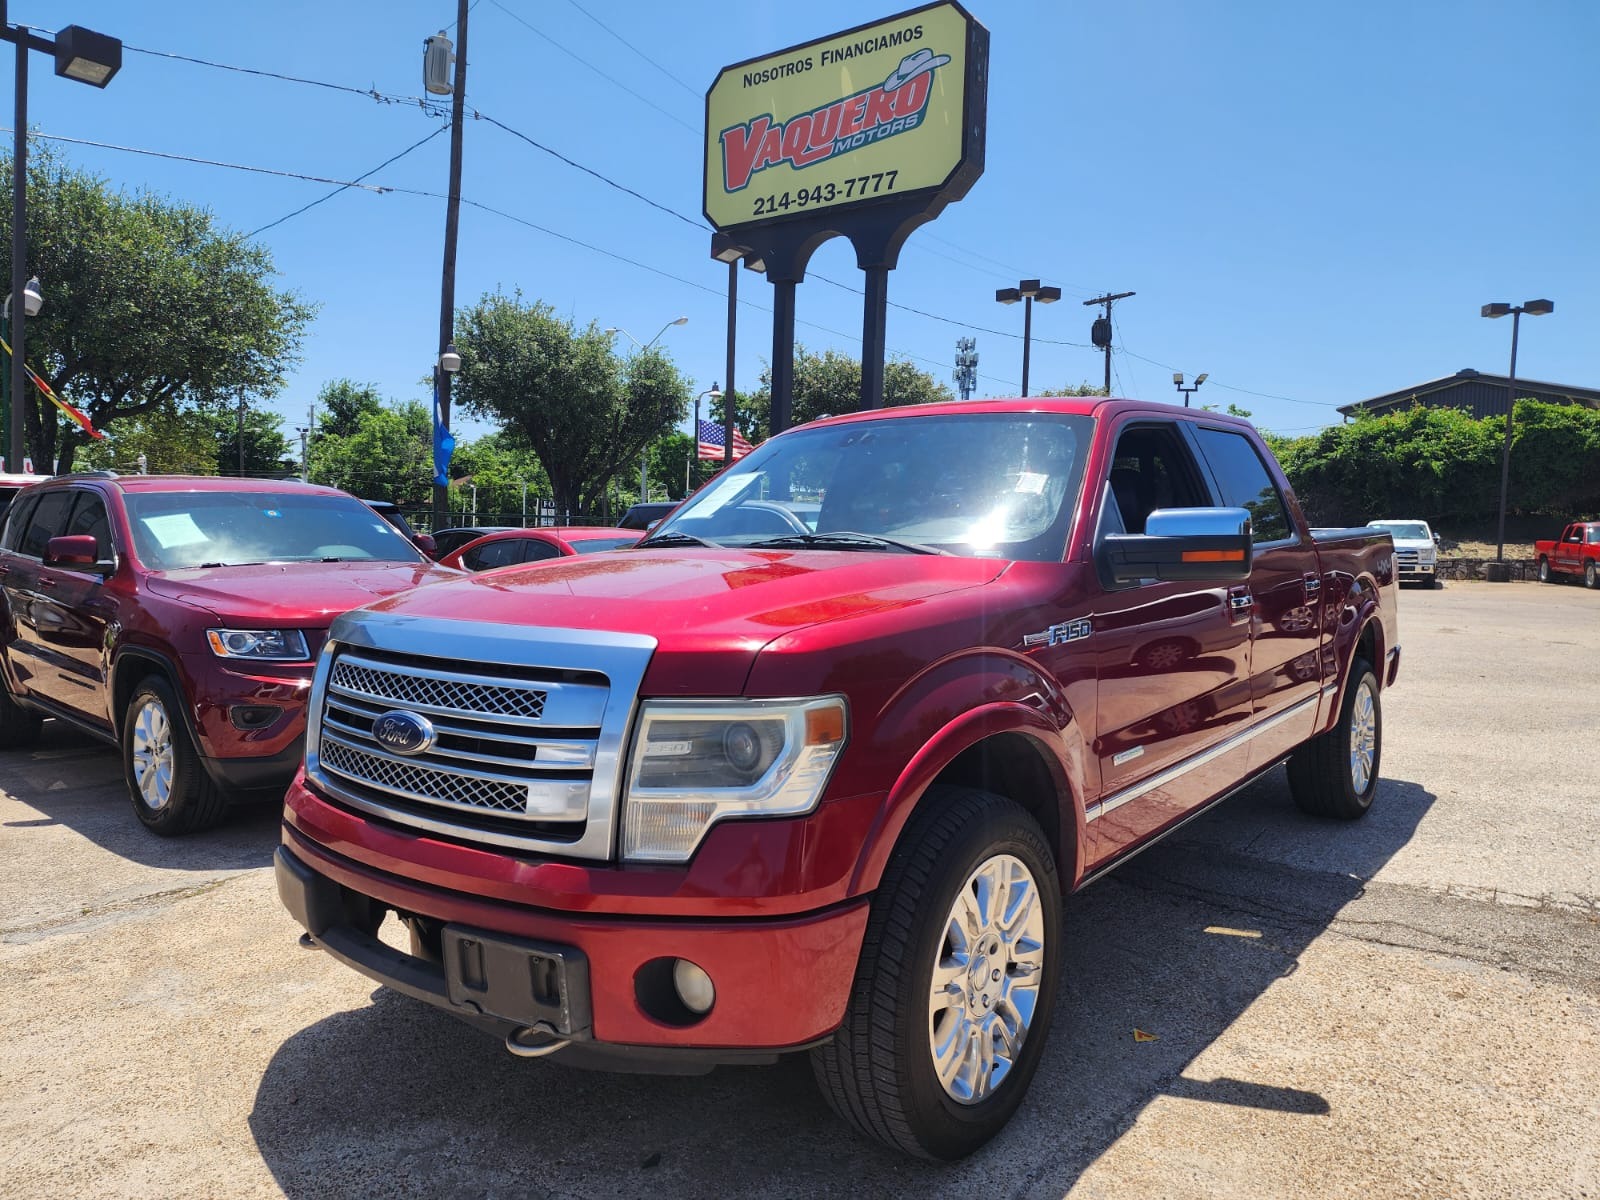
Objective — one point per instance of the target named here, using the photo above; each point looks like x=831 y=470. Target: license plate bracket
x=517 y=979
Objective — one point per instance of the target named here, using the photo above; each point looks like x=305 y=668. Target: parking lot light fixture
x=1177 y=381
x=1499 y=571
x=1028 y=290
x=450 y=359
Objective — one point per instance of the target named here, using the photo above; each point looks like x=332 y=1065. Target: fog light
x=694 y=987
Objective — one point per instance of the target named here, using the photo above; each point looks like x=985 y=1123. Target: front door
x=1172 y=659
x=72 y=611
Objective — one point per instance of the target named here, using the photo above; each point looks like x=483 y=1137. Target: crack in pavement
x=18 y=935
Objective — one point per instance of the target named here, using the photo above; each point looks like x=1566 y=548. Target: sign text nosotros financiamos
x=823 y=133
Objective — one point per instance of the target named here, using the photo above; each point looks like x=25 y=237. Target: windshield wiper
x=673 y=538
x=842 y=540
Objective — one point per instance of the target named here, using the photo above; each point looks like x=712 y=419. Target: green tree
x=827 y=385
x=150 y=306
x=1083 y=389
x=586 y=414
x=388 y=457
x=266 y=450
x=501 y=470
x=171 y=443
x=342 y=403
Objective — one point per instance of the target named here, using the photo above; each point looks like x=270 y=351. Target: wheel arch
x=135 y=663
x=1006 y=748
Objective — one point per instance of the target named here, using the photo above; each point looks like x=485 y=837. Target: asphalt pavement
x=1407 y=1006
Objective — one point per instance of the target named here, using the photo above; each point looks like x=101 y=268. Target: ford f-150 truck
x=1416 y=550
x=1575 y=553
x=766 y=784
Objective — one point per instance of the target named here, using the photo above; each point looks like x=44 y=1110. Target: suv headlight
x=262 y=645
x=696 y=762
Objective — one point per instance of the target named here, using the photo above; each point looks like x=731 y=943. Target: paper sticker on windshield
x=172 y=530
x=1031 y=483
x=721 y=493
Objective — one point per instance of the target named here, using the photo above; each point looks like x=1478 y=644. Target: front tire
x=1336 y=774
x=1590 y=580
x=956 y=983
x=1544 y=570
x=171 y=792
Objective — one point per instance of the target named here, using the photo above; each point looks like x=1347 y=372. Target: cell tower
x=966 y=372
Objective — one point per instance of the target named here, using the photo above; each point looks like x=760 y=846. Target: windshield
x=999 y=485
x=590 y=545
x=173 y=530
x=1414 y=531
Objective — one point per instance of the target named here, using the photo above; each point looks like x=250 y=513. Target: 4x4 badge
x=1069 y=631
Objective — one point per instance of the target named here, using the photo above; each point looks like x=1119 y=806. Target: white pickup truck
x=1416 y=550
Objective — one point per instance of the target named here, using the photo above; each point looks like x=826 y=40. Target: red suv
x=180 y=619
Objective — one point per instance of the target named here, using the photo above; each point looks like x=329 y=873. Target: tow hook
x=517 y=1043
x=307 y=942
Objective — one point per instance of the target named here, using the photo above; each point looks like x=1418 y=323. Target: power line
x=369 y=93
x=686 y=87
x=377 y=189
x=345 y=187
x=579 y=58
x=578 y=166
x=1245 y=391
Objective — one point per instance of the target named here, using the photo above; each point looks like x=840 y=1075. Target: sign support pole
x=782 y=353
x=874 y=331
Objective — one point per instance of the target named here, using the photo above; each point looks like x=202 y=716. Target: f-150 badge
x=1069 y=631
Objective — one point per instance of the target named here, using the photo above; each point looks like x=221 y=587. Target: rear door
x=1283 y=595
x=1172 y=659
x=33 y=659
x=73 y=610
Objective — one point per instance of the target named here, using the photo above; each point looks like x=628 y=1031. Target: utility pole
x=241 y=433
x=1100 y=331
x=452 y=214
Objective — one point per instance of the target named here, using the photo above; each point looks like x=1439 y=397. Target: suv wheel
x=957 y=980
x=1336 y=774
x=169 y=787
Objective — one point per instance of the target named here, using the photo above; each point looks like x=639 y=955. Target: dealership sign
x=888 y=111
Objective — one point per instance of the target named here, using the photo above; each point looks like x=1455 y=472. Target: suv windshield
x=1414 y=531
x=173 y=530
x=999 y=485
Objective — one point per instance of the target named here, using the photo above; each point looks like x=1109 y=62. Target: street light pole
x=1534 y=308
x=1177 y=379
x=452 y=217
x=716 y=394
x=1027 y=291
x=80 y=54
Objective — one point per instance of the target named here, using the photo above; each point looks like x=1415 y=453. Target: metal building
x=1474 y=392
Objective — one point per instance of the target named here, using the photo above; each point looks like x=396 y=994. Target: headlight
x=263 y=645
x=697 y=762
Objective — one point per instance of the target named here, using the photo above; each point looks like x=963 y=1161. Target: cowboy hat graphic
x=913 y=65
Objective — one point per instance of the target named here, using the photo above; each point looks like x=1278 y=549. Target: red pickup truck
x=766 y=784
x=1577 y=552
x=179 y=618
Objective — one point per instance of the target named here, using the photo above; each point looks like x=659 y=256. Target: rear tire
x=1336 y=774
x=956 y=984
x=19 y=728
x=171 y=792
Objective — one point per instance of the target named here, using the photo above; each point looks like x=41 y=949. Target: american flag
x=711 y=441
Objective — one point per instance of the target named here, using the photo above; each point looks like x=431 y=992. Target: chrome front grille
x=528 y=727
x=435 y=693
x=417 y=782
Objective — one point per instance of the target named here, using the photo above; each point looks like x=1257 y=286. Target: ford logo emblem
x=403 y=732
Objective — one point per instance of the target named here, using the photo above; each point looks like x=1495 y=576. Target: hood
x=293 y=595
x=710 y=610
x=1411 y=543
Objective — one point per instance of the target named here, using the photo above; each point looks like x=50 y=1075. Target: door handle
x=1240 y=603
x=47 y=581
x=1313 y=584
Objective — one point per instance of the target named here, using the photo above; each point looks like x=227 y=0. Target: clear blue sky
x=1311 y=201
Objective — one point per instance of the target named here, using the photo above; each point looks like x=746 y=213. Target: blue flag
x=444 y=442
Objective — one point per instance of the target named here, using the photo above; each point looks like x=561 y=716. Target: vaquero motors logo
x=895 y=106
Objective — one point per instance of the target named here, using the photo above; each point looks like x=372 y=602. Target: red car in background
x=509 y=547
x=11 y=484
x=1576 y=553
x=179 y=619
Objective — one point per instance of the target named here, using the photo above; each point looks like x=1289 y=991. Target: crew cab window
x=1576 y=535
x=535 y=550
x=1151 y=469
x=1245 y=483
x=1594 y=535
x=49 y=520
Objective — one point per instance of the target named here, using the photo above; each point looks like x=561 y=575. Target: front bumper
x=781 y=984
